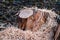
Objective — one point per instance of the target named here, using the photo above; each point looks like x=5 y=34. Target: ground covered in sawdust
x=45 y=32
x=13 y=33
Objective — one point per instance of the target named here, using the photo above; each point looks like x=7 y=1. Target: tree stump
x=23 y=16
x=30 y=20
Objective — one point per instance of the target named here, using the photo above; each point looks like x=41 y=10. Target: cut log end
x=25 y=13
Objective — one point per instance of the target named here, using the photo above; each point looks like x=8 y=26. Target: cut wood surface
x=25 y=13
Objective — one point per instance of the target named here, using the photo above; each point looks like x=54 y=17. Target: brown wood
x=34 y=22
x=22 y=23
x=57 y=32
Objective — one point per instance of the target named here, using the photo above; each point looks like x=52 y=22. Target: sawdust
x=45 y=32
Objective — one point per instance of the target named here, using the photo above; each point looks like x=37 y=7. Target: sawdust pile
x=17 y=34
x=45 y=32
